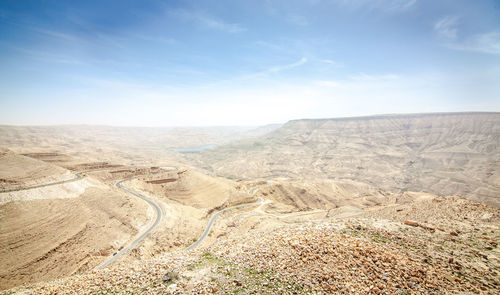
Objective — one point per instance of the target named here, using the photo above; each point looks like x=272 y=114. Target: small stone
x=172 y=287
x=170 y=277
x=411 y=223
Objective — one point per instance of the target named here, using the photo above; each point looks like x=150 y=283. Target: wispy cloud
x=401 y=4
x=45 y=56
x=329 y=61
x=220 y=25
x=483 y=43
x=447 y=27
x=269 y=45
x=298 y=63
x=158 y=39
x=56 y=34
x=208 y=21
x=332 y=63
x=380 y=5
x=262 y=74
x=73 y=38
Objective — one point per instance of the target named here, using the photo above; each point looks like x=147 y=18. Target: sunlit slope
x=196 y=189
x=18 y=171
x=53 y=231
x=445 y=153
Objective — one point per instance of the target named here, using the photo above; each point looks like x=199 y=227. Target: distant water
x=194 y=149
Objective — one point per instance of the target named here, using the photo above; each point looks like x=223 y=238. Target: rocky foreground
x=454 y=254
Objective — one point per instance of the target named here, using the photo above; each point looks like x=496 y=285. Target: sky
x=231 y=62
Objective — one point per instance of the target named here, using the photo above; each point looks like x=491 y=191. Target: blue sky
x=199 y=63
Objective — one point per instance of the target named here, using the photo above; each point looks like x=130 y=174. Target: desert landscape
x=250 y=147
x=444 y=154
x=382 y=205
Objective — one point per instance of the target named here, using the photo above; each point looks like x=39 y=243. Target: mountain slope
x=442 y=153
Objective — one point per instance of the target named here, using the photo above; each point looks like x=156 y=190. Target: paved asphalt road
x=159 y=216
x=77 y=176
x=150 y=202
x=153 y=204
x=214 y=216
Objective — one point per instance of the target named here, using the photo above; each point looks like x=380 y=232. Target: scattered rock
x=170 y=277
x=416 y=224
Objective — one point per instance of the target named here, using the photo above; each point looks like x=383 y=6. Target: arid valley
x=390 y=204
x=249 y=147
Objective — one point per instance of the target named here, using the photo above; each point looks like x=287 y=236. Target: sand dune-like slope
x=456 y=252
x=20 y=171
x=445 y=154
x=324 y=194
x=352 y=205
x=195 y=189
x=187 y=197
x=57 y=230
x=47 y=239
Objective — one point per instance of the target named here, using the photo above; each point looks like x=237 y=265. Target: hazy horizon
x=231 y=63
x=249 y=126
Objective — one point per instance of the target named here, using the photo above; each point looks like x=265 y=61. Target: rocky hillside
x=374 y=253
x=442 y=153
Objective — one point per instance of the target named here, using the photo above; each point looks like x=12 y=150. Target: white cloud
x=220 y=25
x=209 y=21
x=380 y=5
x=329 y=61
x=158 y=39
x=269 y=45
x=483 y=43
x=266 y=72
x=56 y=34
x=447 y=27
x=260 y=76
x=401 y=4
x=298 y=63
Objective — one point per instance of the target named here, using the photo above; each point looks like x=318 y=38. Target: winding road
x=77 y=177
x=214 y=216
x=118 y=184
x=159 y=216
x=151 y=203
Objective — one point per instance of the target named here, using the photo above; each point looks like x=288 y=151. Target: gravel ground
x=358 y=259
x=456 y=254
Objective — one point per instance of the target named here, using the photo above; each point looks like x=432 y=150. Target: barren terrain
x=444 y=154
x=371 y=253
x=400 y=204
x=57 y=230
x=61 y=229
